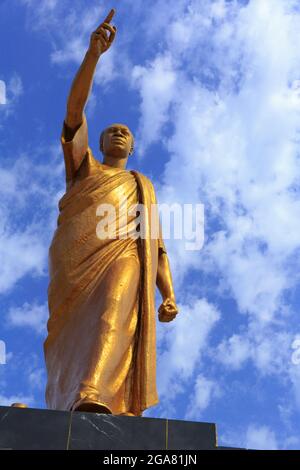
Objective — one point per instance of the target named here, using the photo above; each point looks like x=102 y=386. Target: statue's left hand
x=168 y=310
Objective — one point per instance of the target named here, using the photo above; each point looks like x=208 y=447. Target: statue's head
x=117 y=141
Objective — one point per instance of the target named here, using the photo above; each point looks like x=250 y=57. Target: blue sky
x=211 y=90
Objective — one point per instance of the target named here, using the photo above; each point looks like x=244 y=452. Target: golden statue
x=100 y=350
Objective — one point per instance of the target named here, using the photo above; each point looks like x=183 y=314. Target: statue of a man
x=101 y=346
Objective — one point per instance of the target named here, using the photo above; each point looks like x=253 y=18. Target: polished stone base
x=44 y=429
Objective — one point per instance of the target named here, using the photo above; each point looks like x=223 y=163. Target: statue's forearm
x=80 y=90
x=164 y=278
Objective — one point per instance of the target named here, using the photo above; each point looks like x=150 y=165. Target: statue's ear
x=132 y=146
x=101 y=141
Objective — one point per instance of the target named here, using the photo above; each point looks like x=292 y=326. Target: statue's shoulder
x=147 y=186
x=144 y=179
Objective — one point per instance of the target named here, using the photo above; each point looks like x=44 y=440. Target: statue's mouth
x=118 y=140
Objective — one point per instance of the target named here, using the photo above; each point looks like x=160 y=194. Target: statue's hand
x=168 y=310
x=102 y=38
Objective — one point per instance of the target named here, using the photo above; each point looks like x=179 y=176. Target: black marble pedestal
x=27 y=428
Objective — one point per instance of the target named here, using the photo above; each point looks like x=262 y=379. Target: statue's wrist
x=94 y=55
x=169 y=295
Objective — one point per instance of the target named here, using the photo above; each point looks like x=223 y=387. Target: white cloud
x=291 y=443
x=21 y=253
x=255 y=436
x=40 y=9
x=205 y=390
x=36 y=379
x=260 y=438
x=2 y=92
x=295 y=378
x=156 y=84
x=70 y=24
x=268 y=349
x=22 y=379
x=15 y=87
x=75 y=37
x=28 y=206
x=34 y=316
x=184 y=340
x=234 y=351
x=10 y=93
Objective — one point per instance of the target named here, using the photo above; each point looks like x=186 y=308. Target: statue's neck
x=115 y=162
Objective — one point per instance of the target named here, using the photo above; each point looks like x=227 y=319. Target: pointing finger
x=107 y=19
x=110 y=16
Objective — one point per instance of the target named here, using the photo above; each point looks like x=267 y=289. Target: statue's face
x=117 y=141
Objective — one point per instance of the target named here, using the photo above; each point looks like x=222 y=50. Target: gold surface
x=101 y=347
x=19 y=405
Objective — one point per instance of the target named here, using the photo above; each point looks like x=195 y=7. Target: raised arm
x=100 y=42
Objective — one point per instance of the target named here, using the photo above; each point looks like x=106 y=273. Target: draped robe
x=101 y=343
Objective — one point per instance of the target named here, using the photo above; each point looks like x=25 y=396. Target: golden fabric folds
x=101 y=343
